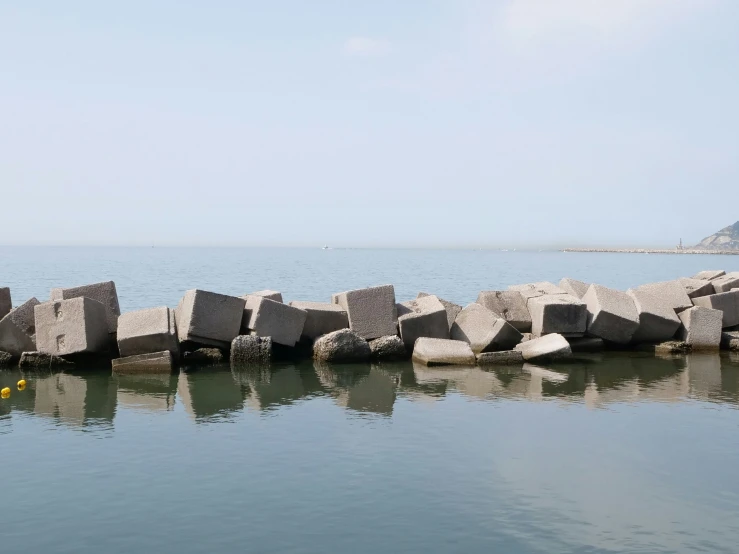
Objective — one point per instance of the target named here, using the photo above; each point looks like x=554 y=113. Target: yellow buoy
x=21 y=384
x=5 y=393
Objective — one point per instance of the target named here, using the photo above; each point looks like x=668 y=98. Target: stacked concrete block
x=371 y=311
x=14 y=339
x=574 y=287
x=587 y=344
x=268 y=318
x=727 y=302
x=669 y=293
x=76 y=326
x=208 y=318
x=701 y=328
x=533 y=290
x=657 y=321
x=697 y=287
x=730 y=340
x=709 y=275
x=432 y=352
x=270 y=294
x=147 y=331
x=451 y=308
x=423 y=317
x=153 y=362
x=508 y=304
x=483 y=330
x=104 y=293
x=557 y=313
x=321 y=318
x=726 y=282
x=612 y=314
x=23 y=316
x=549 y=347
x=6 y=303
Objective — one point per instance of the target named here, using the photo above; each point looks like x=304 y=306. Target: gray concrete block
x=574 y=287
x=205 y=356
x=6 y=359
x=727 y=302
x=730 y=340
x=37 y=360
x=709 y=275
x=6 y=303
x=550 y=347
x=152 y=362
x=147 y=331
x=14 y=337
x=431 y=352
x=508 y=304
x=343 y=345
x=612 y=314
x=23 y=316
x=423 y=317
x=270 y=294
x=483 y=330
x=701 y=328
x=504 y=357
x=209 y=318
x=451 y=308
x=726 y=282
x=76 y=326
x=541 y=288
x=390 y=347
x=587 y=344
x=371 y=311
x=670 y=293
x=557 y=313
x=697 y=287
x=267 y=318
x=321 y=318
x=104 y=293
x=657 y=320
x=251 y=350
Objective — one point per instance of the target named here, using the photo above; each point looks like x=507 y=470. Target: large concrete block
x=152 y=362
x=574 y=287
x=104 y=293
x=657 y=321
x=549 y=347
x=508 y=304
x=24 y=317
x=727 y=302
x=76 y=326
x=709 y=275
x=557 y=313
x=451 y=308
x=6 y=303
x=209 y=318
x=267 y=318
x=726 y=282
x=371 y=311
x=270 y=294
x=697 y=287
x=432 y=352
x=612 y=314
x=483 y=330
x=670 y=293
x=701 y=328
x=423 y=317
x=13 y=339
x=321 y=318
x=147 y=331
x=533 y=290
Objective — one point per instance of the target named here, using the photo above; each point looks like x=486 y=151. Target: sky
x=440 y=123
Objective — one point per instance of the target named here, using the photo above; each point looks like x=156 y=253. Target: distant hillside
x=726 y=239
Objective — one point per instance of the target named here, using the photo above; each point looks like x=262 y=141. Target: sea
x=610 y=452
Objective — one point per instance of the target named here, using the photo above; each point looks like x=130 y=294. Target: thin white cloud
x=367 y=47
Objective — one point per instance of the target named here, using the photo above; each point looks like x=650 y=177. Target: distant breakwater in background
x=655 y=251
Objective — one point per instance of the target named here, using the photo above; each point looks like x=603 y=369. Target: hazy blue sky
x=436 y=123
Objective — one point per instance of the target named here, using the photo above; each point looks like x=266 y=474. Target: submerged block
x=321 y=318
x=504 y=357
x=669 y=293
x=574 y=287
x=105 y=293
x=657 y=320
x=533 y=290
x=442 y=352
x=727 y=302
x=423 y=317
x=267 y=318
x=270 y=294
x=209 y=318
x=6 y=304
x=371 y=311
x=701 y=327
x=76 y=326
x=586 y=344
x=726 y=282
x=147 y=331
x=483 y=330
x=343 y=345
x=451 y=308
x=557 y=313
x=249 y=350
x=612 y=314
x=508 y=304
x=153 y=362
x=709 y=275
x=37 y=360
x=550 y=347
x=697 y=287
x=390 y=347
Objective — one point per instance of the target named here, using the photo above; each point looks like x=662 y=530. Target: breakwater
x=654 y=251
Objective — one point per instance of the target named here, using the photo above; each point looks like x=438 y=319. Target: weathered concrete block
x=557 y=313
x=432 y=352
x=13 y=339
x=209 y=318
x=726 y=282
x=451 y=308
x=483 y=330
x=701 y=327
x=152 y=362
x=205 y=356
x=574 y=287
x=669 y=293
x=697 y=287
x=550 y=347
x=505 y=357
x=267 y=318
x=423 y=317
x=508 y=304
x=76 y=326
x=24 y=317
x=727 y=302
x=104 y=293
x=147 y=331
x=612 y=314
x=371 y=311
x=534 y=290
x=587 y=344
x=38 y=360
x=343 y=345
x=6 y=359
x=730 y=340
x=270 y=294
x=657 y=320
x=249 y=350
x=6 y=303
x=321 y=318
x=390 y=347
x=709 y=275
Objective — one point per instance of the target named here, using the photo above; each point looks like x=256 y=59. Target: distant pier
x=653 y=251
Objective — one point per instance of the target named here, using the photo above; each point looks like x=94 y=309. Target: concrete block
x=250 y=350
x=371 y=311
x=270 y=294
x=550 y=347
x=147 y=331
x=701 y=328
x=574 y=287
x=104 y=293
x=6 y=303
x=726 y=282
x=697 y=287
x=390 y=347
x=587 y=344
x=343 y=345
x=152 y=362
x=533 y=290
x=670 y=293
x=508 y=304
x=431 y=352
x=205 y=356
x=14 y=336
x=23 y=316
x=76 y=326
x=267 y=318
x=209 y=318
x=423 y=317
x=727 y=302
x=6 y=359
x=37 y=360
x=709 y=275
x=612 y=314
x=321 y=318
x=730 y=340
x=505 y=357
x=657 y=320
x=558 y=313
x=483 y=330
x=451 y=308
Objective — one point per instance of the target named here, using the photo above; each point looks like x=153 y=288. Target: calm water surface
x=620 y=452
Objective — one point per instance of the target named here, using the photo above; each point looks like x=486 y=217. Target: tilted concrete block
x=697 y=287
x=533 y=290
x=726 y=282
x=451 y=308
x=24 y=317
x=505 y=357
x=104 y=293
x=271 y=294
x=701 y=328
x=6 y=303
x=321 y=318
x=549 y=347
x=267 y=318
x=508 y=304
x=612 y=314
x=670 y=293
x=727 y=302
x=574 y=287
x=147 y=331
x=13 y=339
x=709 y=275
x=152 y=362
x=483 y=330
x=76 y=326
x=432 y=352
x=371 y=311
x=657 y=320
x=209 y=318
x=557 y=313
x=423 y=317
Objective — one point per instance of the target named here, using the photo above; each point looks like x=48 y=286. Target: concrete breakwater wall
x=528 y=322
x=655 y=251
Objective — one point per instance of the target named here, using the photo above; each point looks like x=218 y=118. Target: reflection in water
x=147 y=392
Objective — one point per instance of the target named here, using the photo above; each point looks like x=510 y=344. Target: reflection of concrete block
x=371 y=311
x=153 y=362
x=104 y=293
x=147 y=331
x=267 y=318
x=727 y=302
x=442 y=352
x=209 y=318
x=612 y=314
x=701 y=327
x=75 y=326
x=508 y=304
x=321 y=318
x=483 y=330
x=657 y=320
